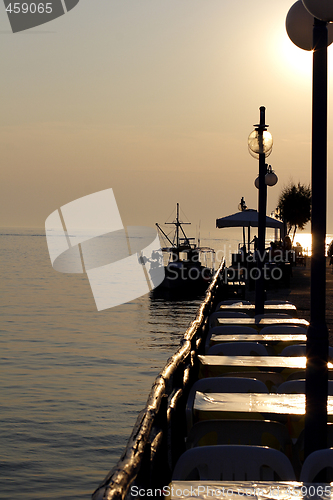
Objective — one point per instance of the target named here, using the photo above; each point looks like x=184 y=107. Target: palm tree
x=295 y=206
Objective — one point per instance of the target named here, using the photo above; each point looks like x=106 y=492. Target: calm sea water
x=73 y=379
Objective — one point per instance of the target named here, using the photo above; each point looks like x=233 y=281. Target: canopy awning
x=246 y=218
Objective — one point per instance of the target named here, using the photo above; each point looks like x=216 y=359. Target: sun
x=298 y=60
x=291 y=61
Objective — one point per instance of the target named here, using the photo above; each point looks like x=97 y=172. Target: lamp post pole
x=308 y=24
x=260 y=283
x=317 y=335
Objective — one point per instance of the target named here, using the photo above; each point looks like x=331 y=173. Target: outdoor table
x=268 y=308
x=274 y=342
x=215 y=366
x=288 y=409
x=250 y=490
x=259 y=322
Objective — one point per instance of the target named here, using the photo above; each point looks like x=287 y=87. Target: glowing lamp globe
x=260 y=143
x=256 y=155
x=321 y=9
x=271 y=178
x=299 y=25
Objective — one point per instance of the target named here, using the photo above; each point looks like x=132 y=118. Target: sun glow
x=295 y=63
x=300 y=61
x=305 y=240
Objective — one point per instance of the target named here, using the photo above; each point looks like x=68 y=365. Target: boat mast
x=177 y=225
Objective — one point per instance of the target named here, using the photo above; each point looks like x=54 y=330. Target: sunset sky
x=155 y=99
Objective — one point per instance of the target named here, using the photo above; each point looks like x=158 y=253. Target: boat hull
x=180 y=276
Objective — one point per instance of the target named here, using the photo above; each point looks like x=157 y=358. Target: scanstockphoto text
x=215 y=491
x=277 y=256
x=248 y=266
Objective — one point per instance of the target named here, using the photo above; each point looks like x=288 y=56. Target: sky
x=155 y=99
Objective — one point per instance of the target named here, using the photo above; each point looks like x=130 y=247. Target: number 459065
x=32 y=8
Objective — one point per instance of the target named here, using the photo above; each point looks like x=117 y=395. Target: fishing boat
x=188 y=266
x=152 y=465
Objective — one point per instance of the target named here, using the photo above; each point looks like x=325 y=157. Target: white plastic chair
x=221 y=384
x=238 y=349
x=316 y=462
x=300 y=350
x=286 y=329
x=298 y=452
x=228 y=330
x=292 y=387
x=241 y=432
x=298 y=387
x=271 y=379
x=294 y=350
x=225 y=314
x=273 y=315
x=233 y=463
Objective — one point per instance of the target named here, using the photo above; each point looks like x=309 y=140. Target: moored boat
x=187 y=266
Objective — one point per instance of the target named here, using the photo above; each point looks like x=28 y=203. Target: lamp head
x=321 y=9
x=260 y=141
x=271 y=178
x=299 y=24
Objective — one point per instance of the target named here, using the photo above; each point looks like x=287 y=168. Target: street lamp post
x=260 y=144
x=317 y=334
